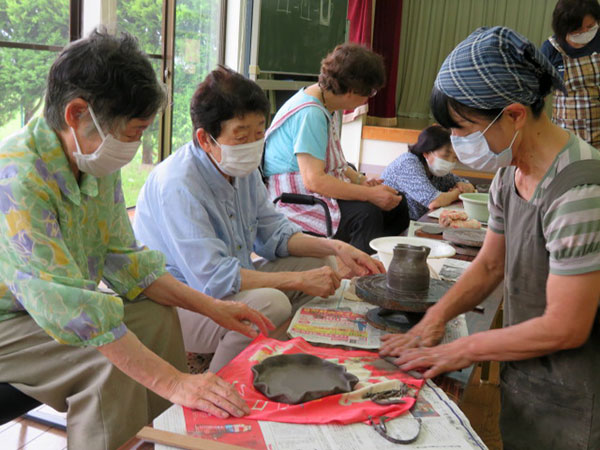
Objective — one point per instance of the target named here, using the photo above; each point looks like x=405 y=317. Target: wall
x=371 y=149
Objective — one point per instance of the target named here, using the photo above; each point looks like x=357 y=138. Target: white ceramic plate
x=385 y=247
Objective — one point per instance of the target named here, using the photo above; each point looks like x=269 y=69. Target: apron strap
x=274 y=126
x=557 y=46
x=575 y=174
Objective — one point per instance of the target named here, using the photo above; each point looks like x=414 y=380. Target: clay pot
x=408 y=271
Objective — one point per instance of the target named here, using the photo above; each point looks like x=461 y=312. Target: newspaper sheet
x=444 y=427
x=338 y=321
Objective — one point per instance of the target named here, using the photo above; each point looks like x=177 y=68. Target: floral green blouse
x=60 y=238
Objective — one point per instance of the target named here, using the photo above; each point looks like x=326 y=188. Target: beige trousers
x=104 y=406
x=202 y=335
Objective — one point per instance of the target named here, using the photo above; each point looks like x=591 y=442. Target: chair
x=304 y=199
x=14 y=404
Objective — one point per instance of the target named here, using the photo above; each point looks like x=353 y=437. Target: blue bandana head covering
x=495 y=67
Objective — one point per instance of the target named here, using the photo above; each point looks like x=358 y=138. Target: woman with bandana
x=575 y=52
x=424 y=173
x=543 y=244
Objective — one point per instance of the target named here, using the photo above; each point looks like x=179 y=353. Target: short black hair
x=568 y=15
x=432 y=138
x=223 y=95
x=109 y=72
x=441 y=105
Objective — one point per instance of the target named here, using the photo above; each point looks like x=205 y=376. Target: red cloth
x=360 y=17
x=386 y=42
x=339 y=408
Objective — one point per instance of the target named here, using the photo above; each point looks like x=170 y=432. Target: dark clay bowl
x=299 y=378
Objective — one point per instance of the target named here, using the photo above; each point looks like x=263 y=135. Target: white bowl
x=385 y=247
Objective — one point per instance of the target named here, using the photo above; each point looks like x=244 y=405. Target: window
x=197 y=36
x=144 y=20
x=184 y=39
x=194 y=38
x=27 y=50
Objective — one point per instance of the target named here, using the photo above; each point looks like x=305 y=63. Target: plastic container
x=476 y=206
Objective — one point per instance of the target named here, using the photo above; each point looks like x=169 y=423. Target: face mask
x=440 y=167
x=474 y=151
x=583 y=38
x=109 y=157
x=239 y=160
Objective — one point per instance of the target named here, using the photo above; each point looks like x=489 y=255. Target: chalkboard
x=296 y=34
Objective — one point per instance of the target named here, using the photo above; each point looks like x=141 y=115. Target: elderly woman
x=543 y=242
x=113 y=363
x=424 y=175
x=303 y=154
x=207 y=209
x=575 y=52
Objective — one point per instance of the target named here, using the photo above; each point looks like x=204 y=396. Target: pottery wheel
x=465 y=237
x=465 y=250
x=393 y=321
x=373 y=289
x=428 y=230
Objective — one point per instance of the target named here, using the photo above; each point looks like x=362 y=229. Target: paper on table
x=444 y=427
x=337 y=321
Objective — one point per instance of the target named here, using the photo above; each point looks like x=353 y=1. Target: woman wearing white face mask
x=207 y=208
x=543 y=244
x=574 y=50
x=424 y=173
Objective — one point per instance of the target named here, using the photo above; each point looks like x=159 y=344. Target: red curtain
x=360 y=17
x=386 y=42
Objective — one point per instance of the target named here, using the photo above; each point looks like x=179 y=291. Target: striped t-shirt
x=571 y=225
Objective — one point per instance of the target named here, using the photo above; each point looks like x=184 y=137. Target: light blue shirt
x=306 y=131
x=206 y=226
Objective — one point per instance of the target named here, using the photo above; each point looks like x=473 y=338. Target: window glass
x=134 y=174
x=197 y=25
x=143 y=19
x=43 y=22
x=23 y=80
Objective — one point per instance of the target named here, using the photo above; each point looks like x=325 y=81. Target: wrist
x=436 y=314
x=335 y=246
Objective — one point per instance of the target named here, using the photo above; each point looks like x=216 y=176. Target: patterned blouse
x=407 y=174
x=59 y=238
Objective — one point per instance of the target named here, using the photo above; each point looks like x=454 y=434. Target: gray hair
x=109 y=72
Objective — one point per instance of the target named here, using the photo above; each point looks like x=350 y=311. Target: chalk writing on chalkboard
x=296 y=34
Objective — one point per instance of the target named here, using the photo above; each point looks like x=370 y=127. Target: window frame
x=167 y=57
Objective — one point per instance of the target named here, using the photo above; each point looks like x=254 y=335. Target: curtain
x=386 y=42
x=432 y=28
x=360 y=29
x=359 y=15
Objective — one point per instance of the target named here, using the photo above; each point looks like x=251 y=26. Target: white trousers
x=202 y=335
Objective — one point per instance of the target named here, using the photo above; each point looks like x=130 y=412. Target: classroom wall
x=372 y=149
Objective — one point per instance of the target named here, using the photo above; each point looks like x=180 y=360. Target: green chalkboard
x=296 y=34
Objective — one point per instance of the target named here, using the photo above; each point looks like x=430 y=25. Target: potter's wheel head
x=373 y=289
